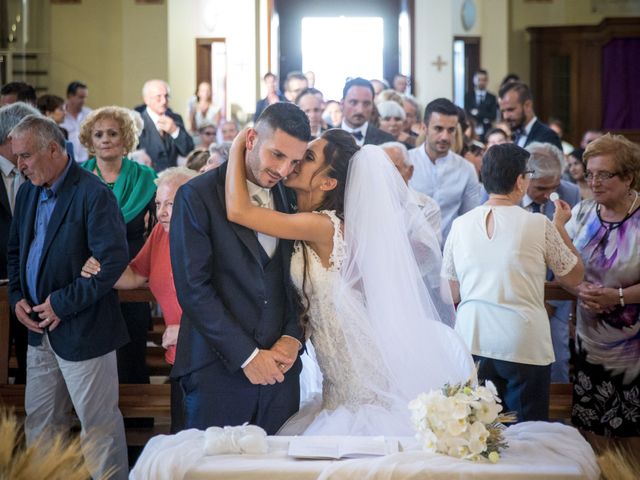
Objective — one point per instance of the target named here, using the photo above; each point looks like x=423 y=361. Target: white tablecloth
x=537 y=450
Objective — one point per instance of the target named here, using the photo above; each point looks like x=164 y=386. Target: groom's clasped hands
x=269 y=366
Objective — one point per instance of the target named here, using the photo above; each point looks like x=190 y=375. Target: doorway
x=211 y=66
x=466 y=61
x=346 y=35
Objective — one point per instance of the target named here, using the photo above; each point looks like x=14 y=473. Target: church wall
x=433 y=37
x=495 y=40
x=111 y=46
x=555 y=13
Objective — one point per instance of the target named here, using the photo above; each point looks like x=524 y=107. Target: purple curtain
x=620 y=84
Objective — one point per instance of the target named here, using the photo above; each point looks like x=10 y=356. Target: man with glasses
x=548 y=163
x=164 y=136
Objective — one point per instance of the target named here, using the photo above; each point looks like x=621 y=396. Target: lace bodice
x=341 y=386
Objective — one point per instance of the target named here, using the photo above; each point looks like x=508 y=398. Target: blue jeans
x=524 y=389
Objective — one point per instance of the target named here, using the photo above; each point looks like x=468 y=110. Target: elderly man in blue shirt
x=64 y=215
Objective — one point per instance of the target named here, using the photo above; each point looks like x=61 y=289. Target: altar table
x=537 y=450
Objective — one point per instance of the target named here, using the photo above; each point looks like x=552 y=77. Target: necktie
x=516 y=134
x=260 y=199
x=357 y=135
x=535 y=207
x=480 y=98
x=268 y=243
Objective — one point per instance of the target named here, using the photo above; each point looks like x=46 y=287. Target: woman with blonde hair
x=109 y=134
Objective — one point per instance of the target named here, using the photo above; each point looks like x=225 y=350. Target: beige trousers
x=55 y=385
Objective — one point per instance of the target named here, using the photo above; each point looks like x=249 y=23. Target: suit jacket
x=375 y=136
x=264 y=103
x=5 y=225
x=164 y=150
x=486 y=111
x=541 y=133
x=219 y=278
x=86 y=221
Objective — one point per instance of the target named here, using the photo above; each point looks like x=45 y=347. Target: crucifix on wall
x=439 y=63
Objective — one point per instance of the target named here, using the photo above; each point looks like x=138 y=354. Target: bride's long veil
x=396 y=315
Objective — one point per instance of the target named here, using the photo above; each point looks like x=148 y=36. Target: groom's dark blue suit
x=234 y=299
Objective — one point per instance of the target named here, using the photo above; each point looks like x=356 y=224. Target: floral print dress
x=606 y=395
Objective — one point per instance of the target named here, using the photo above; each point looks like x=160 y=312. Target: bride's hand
x=240 y=142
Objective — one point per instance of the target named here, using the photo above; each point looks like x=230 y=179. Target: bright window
x=338 y=47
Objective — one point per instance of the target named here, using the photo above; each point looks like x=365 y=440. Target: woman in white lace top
x=379 y=339
x=496 y=258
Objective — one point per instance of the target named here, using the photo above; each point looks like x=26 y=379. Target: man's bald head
x=155 y=94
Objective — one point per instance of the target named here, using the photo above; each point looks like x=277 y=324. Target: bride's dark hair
x=340 y=148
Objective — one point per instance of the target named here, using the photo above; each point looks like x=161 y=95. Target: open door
x=211 y=66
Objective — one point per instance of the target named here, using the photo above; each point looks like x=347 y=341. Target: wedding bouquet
x=461 y=421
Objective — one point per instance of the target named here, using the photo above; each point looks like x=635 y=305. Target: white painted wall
x=433 y=37
x=233 y=20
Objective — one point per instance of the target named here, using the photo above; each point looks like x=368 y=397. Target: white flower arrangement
x=461 y=421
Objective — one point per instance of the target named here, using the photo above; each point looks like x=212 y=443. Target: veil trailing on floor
x=395 y=313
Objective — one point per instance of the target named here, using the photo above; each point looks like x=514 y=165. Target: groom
x=237 y=353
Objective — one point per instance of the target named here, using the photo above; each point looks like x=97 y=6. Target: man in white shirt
x=75 y=113
x=438 y=172
x=164 y=136
x=357 y=108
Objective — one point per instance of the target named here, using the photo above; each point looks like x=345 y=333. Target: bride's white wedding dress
x=378 y=336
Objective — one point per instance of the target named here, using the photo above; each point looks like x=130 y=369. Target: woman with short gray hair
x=153 y=265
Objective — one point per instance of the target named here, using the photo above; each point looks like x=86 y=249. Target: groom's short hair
x=286 y=117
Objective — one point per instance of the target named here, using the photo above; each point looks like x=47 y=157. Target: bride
x=367 y=272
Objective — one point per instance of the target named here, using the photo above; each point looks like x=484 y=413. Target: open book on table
x=336 y=447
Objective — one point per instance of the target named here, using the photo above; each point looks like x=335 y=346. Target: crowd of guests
x=483 y=175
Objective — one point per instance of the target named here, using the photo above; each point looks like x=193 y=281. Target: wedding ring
x=282 y=366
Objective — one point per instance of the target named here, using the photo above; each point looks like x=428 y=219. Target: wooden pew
x=154 y=400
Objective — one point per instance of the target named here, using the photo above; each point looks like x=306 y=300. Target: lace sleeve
x=448 y=266
x=558 y=256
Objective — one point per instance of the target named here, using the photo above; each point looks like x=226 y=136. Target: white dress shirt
x=155 y=117
x=72 y=125
x=522 y=139
x=451 y=181
x=527 y=204
x=362 y=129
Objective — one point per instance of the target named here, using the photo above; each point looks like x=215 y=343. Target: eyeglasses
x=599 y=176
